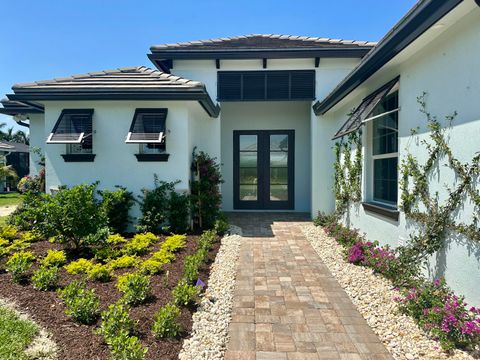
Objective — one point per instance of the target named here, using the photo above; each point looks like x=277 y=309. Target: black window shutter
x=303 y=84
x=229 y=86
x=278 y=84
x=254 y=86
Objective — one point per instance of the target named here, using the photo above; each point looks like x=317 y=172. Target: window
x=266 y=85
x=384 y=119
x=148 y=127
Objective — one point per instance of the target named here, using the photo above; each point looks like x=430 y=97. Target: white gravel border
x=373 y=295
x=42 y=346
x=210 y=322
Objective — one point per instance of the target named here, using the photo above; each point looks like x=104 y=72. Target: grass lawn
x=15 y=334
x=13 y=198
x=3 y=220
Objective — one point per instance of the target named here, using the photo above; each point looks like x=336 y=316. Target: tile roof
x=11 y=146
x=129 y=78
x=263 y=41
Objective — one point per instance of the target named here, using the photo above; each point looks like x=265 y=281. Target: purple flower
x=200 y=283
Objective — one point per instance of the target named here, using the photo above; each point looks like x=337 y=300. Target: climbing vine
x=348 y=171
x=423 y=206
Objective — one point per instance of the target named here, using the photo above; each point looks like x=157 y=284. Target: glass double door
x=264 y=169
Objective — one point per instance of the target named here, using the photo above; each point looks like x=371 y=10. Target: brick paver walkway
x=287 y=305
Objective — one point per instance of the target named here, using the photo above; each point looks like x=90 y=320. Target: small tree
x=75 y=217
x=117 y=204
x=206 y=198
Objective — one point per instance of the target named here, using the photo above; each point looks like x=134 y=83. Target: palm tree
x=21 y=137
x=18 y=136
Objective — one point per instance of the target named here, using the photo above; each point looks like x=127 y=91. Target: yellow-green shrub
x=164 y=256
x=116 y=239
x=18 y=245
x=4 y=243
x=30 y=236
x=18 y=265
x=8 y=232
x=102 y=273
x=81 y=266
x=54 y=258
x=140 y=243
x=151 y=266
x=135 y=287
x=174 y=243
x=123 y=262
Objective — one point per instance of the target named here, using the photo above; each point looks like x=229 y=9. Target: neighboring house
x=17 y=156
x=267 y=107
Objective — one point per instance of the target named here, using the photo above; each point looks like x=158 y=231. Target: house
x=270 y=108
x=17 y=156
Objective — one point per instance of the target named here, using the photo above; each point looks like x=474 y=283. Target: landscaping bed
x=79 y=341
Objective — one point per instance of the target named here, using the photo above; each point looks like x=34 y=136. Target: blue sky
x=47 y=39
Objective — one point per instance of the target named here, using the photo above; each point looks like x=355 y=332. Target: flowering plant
x=443 y=314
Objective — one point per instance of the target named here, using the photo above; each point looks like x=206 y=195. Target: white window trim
x=159 y=141
x=372 y=176
x=380 y=115
x=78 y=141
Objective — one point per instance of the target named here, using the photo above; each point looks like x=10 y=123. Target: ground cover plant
x=135 y=303
x=15 y=334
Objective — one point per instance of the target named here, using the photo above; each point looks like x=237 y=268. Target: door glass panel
x=248 y=172
x=279 y=142
x=279 y=167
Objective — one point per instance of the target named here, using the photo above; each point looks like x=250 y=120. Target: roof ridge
x=268 y=36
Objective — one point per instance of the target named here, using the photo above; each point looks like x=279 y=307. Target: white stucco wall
x=447 y=67
x=37 y=140
x=115 y=162
x=285 y=115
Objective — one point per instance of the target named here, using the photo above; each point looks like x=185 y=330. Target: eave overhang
x=418 y=20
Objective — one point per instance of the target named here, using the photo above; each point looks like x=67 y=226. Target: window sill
x=78 y=157
x=152 y=157
x=381 y=209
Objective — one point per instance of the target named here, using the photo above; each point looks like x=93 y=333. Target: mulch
x=76 y=341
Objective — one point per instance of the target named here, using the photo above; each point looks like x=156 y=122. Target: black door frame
x=263 y=201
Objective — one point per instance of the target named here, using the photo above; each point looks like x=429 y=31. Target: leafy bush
x=140 y=243
x=206 y=198
x=123 y=262
x=191 y=267
x=184 y=294
x=82 y=304
x=151 y=267
x=178 y=212
x=125 y=347
x=81 y=266
x=117 y=204
x=443 y=314
x=323 y=219
x=135 y=287
x=30 y=236
x=17 y=245
x=19 y=264
x=165 y=321
x=102 y=273
x=221 y=224
x=174 y=243
x=207 y=239
x=163 y=256
x=154 y=205
x=45 y=278
x=75 y=217
x=8 y=232
x=116 y=239
x=115 y=320
x=106 y=253
x=54 y=258
x=30 y=213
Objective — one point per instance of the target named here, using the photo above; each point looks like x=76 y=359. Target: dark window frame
x=81 y=139
x=136 y=115
x=301 y=85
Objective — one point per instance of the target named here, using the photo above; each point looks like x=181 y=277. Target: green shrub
x=135 y=287
x=123 y=262
x=174 y=243
x=140 y=243
x=165 y=321
x=102 y=273
x=323 y=219
x=116 y=239
x=81 y=266
x=117 y=204
x=54 y=258
x=82 y=304
x=178 y=212
x=207 y=239
x=191 y=267
x=125 y=347
x=30 y=236
x=8 y=232
x=221 y=224
x=19 y=264
x=115 y=320
x=106 y=253
x=30 y=213
x=75 y=217
x=45 y=278
x=18 y=245
x=184 y=294
x=151 y=267
x=206 y=198
x=163 y=256
x=154 y=206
